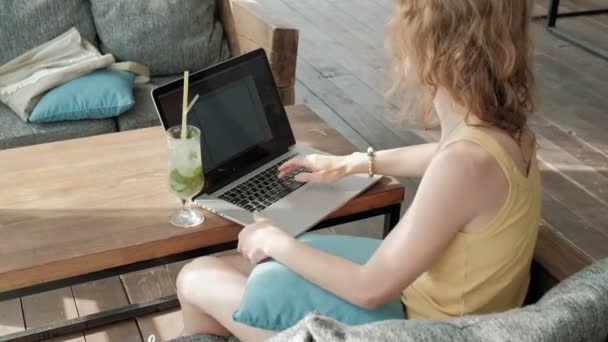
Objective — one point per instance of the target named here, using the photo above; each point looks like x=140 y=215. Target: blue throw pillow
x=276 y=298
x=98 y=95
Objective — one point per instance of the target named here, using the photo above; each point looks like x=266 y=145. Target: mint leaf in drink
x=186 y=185
x=177 y=178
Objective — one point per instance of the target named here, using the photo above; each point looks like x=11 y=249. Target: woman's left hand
x=259 y=239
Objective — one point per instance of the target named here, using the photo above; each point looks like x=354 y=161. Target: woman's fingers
x=294 y=163
x=285 y=170
x=291 y=163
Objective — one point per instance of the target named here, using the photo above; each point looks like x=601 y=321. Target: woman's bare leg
x=210 y=290
x=195 y=320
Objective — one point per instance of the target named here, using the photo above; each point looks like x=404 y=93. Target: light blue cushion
x=276 y=298
x=98 y=95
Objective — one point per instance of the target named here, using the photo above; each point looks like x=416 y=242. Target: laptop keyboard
x=261 y=191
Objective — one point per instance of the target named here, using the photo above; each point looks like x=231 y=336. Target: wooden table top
x=78 y=206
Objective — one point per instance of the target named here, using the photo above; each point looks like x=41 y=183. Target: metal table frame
x=391 y=217
x=554 y=14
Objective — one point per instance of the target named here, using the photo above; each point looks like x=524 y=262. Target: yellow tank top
x=487 y=270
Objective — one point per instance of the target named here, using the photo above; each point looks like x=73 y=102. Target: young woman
x=466 y=242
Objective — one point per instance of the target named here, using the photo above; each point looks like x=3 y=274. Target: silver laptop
x=246 y=136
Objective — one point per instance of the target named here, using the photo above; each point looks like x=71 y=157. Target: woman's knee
x=196 y=276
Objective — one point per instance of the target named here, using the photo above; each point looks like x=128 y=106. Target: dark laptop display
x=231 y=127
x=239 y=112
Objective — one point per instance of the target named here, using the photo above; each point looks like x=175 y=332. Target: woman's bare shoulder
x=467 y=155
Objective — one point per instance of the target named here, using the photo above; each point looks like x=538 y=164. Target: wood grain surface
x=83 y=205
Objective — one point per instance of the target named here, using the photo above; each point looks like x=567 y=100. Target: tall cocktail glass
x=186 y=177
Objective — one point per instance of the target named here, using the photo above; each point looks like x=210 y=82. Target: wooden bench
x=249 y=26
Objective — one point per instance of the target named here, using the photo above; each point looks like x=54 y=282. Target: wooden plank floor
x=342 y=75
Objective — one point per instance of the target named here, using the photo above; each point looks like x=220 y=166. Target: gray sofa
x=15 y=133
x=575 y=310
x=23 y=25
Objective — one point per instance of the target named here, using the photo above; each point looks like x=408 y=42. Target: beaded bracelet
x=371 y=154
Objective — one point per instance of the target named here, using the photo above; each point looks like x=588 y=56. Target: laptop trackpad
x=310 y=204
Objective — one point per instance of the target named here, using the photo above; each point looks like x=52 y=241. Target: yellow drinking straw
x=185 y=106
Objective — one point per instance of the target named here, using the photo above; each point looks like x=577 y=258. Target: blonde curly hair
x=479 y=51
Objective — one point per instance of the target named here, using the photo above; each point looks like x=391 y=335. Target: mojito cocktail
x=186 y=177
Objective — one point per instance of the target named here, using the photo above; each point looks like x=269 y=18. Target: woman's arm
x=409 y=161
x=437 y=214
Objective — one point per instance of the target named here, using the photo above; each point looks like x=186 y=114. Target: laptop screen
x=227 y=131
x=240 y=115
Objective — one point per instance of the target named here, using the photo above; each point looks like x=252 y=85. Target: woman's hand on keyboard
x=322 y=168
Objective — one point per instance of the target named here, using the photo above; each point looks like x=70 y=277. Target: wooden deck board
x=150 y=284
x=104 y=295
x=306 y=97
x=584 y=94
x=11 y=317
x=362 y=121
x=49 y=307
x=580 y=27
x=577 y=148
